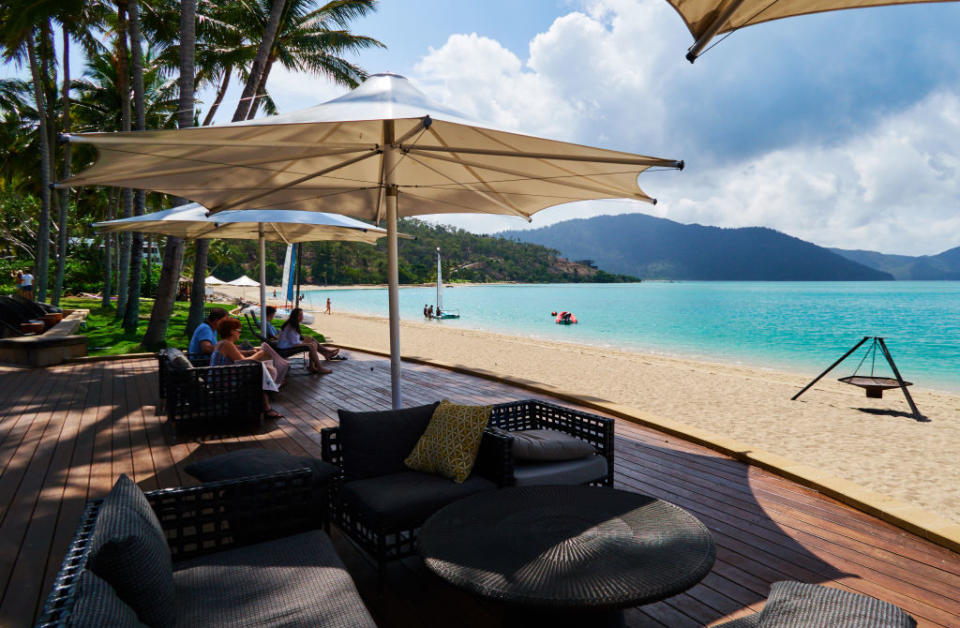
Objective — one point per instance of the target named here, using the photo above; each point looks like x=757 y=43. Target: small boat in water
x=565 y=318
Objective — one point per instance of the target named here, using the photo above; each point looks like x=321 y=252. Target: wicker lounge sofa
x=380 y=504
x=220 y=395
x=236 y=553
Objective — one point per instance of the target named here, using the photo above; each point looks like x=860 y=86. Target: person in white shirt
x=26 y=285
x=290 y=336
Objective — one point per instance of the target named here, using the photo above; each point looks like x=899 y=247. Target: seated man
x=204 y=337
x=272 y=332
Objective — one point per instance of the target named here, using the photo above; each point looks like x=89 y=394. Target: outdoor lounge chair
x=235 y=553
x=224 y=395
x=163 y=367
x=289 y=352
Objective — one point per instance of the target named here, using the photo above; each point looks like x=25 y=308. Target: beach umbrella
x=193 y=220
x=378 y=152
x=708 y=18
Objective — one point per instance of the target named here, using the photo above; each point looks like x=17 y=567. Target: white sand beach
x=833 y=427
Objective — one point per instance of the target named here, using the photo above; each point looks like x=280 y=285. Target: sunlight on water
x=795 y=326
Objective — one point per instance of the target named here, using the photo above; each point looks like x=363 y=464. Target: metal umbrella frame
x=356 y=155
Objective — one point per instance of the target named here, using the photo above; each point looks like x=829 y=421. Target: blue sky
x=839 y=128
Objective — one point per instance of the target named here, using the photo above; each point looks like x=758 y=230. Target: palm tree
x=173 y=251
x=131 y=316
x=315 y=42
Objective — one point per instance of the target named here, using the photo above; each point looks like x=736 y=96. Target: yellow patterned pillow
x=451 y=441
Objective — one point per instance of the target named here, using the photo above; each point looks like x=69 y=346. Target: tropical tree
x=131 y=315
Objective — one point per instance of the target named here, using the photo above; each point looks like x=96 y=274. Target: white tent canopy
x=381 y=151
x=244 y=282
x=213 y=281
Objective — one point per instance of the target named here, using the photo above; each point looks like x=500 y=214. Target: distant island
x=943 y=266
x=657 y=248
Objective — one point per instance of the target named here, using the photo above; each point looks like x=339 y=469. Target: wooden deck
x=66 y=432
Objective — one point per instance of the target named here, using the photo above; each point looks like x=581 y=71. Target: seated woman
x=290 y=336
x=226 y=352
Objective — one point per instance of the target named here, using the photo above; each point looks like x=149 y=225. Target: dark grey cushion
x=566 y=472
x=256 y=461
x=97 y=605
x=294 y=581
x=801 y=605
x=406 y=499
x=376 y=443
x=177 y=359
x=549 y=445
x=128 y=549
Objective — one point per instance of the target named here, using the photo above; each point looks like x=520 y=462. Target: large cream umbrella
x=276 y=225
x=708 y=18
x=380 y=151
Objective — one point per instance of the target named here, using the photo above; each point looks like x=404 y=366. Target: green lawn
x=105 y=335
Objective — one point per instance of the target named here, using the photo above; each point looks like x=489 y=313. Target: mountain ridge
x=657 y=248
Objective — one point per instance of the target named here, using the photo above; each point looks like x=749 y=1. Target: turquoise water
x=794 y=326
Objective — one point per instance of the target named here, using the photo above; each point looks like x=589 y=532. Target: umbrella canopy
x=244 y=282
x=280 y=225
x=709 y=18
x=213 y=281
x=382 y=150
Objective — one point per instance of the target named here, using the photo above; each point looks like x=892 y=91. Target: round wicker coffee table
x=567 y=548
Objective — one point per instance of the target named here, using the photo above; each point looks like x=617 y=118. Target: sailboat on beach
x=440 y=312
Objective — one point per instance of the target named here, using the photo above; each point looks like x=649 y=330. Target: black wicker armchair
x=377 y=502
x=163 y=367
x=242 y=538
x=224 y=395
x=533 y=414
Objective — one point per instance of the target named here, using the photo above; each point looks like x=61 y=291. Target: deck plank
x=66 y=432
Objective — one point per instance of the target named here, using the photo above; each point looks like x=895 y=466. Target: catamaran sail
x=286 y=285
x=440 y=312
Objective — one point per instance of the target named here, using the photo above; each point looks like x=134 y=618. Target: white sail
x=285 y=282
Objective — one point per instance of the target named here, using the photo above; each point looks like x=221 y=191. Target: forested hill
x=656 y=248
x=943 y=266
x=466 y=257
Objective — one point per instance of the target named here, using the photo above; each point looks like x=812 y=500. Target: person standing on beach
x=327 y=311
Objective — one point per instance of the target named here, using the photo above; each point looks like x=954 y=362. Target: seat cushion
x=256 y=461
x=177 y=360
x=129 y=550
x=376 y=443
x=549 y=445
x=451 y=441
x=799 y=605
x=294 y=581
x=404 y=500
x=97 y=605
x=568 y=472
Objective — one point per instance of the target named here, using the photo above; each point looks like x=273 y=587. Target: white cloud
x=609 y=75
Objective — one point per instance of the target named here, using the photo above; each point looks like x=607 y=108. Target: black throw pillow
x=376 y=443
x=254 y=461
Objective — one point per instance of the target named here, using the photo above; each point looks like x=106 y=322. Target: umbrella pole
x=393 y=275
x=263 y=281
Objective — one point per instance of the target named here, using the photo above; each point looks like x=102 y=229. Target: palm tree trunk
x=260 y=61
x=43 y=232
x=198 y=295
x=224 y=83
x=123 y=86
x=131 y=315
x=173 y=251
x=108 y=250
x=261 y=89
x=64 y=193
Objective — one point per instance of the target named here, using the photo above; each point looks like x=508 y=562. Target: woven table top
x=567 y=546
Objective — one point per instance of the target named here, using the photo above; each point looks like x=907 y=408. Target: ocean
x=797 y=327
